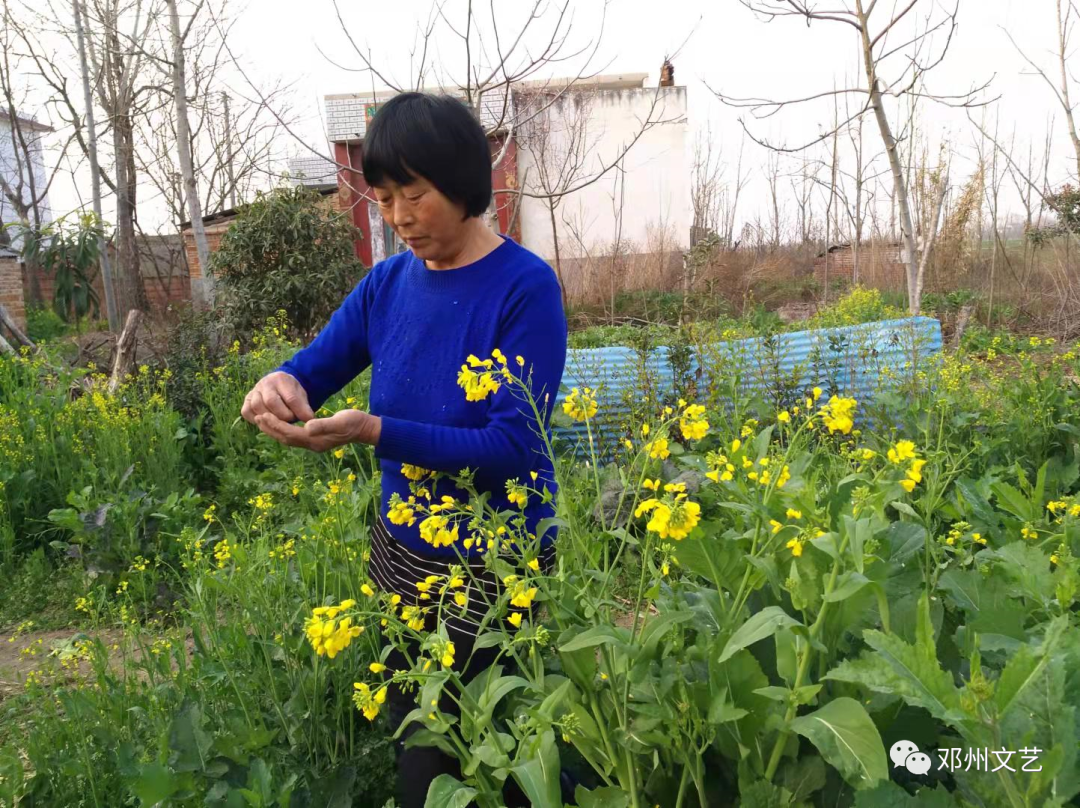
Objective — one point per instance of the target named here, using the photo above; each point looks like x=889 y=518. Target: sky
x=720 y=45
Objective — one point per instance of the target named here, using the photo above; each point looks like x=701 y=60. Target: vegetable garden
x=758 y=594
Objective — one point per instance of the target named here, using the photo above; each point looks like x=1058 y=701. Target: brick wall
x=880 y=266
x=11 y=290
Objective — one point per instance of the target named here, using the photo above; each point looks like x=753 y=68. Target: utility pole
x=111 y=310
x=203 y=292
x=229 y=151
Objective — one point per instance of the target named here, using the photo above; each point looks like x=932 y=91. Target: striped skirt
x=396 y=568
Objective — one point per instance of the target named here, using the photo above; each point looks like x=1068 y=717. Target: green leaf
x=898 y=668
x=846 y=737
x=154 y=784
x=890 y=795
x=849 y=584
x=1011 y=500
x=446 y=791
x=597 y=635
x=712 y=558
x=761 y=625
x=538 y=773
x=905 y=539
x=601 y=798
x=188 y=741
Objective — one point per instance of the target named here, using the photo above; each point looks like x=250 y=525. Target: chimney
x=667 y=74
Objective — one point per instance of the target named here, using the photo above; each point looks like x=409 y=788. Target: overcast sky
x=724 y=46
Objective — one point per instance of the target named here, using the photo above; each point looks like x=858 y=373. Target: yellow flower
x=1027 y=532
x=903 y=450
x=520 y=360
x=498 y=356
x=794 y=514
x=534 y=564
x=461 y=599
x=366 y=701
x=978 y=539
x=658 y=449
x=908 y=485
x=644 y=430
x=817 y=393
x=580 y=405
x=401 y=513
x=437 y=532
x=796 y=547
x=413 y=617
x=515 y=619
x=652 y=485
x=776 y=526
x=784 y=417
x=448 y=655
x=736 y=445
x=521 y=594
x=838 y=414
x=692 y=423
x=414 y=473
x=376 y=667
x=367 y=590
x=477 y=386
x=339 y=453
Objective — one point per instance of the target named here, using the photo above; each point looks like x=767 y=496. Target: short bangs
x=434 y=137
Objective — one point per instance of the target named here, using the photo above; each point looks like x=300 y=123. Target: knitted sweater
x=415 y=327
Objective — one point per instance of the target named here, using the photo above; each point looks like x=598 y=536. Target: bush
x=285 y=251
x=44 y=324
x=860 y=305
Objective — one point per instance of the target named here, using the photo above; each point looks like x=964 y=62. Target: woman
x=460 y=289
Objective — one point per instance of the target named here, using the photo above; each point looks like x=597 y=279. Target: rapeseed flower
x=402 y=513
x=692 y=423
x=838 y=414
x=658 y=449
x=414 y=473
x=580 y=405
x=368 y=701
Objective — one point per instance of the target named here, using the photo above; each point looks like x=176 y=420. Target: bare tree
x=881 y=42
x=706 y=186
x=1061 y=84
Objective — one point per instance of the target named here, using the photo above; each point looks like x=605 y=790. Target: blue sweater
x=415 y=327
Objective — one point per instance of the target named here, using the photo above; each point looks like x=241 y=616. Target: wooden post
x=124 y=357
x=9 y=321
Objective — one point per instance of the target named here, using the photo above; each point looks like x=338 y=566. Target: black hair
x=435 y=137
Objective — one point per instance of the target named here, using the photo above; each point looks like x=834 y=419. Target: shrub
x=44 y=324
x=285 y=251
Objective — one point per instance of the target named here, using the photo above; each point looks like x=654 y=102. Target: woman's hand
x=323 y=434
x=280 y=394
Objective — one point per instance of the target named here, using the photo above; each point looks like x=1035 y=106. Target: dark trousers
x=419 y=765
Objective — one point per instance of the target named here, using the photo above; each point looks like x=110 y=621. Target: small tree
x=70 y=253
x=286 y=251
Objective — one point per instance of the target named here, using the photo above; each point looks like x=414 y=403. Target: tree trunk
x=9 y=321
x=124 y=357
x=558 y=258
x=203 y=295
x=111 y=309
x=903 y=203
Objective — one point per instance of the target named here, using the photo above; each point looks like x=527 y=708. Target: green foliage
x=70 y=253
x=837 y=589
x=286 y=251
x=860 y=305
x=44 y=324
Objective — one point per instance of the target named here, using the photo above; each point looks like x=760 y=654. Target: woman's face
x=426 y=220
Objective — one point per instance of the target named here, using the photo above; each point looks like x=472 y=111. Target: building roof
x=30 y=123
x=313 y=170
x=229 y=213
x=347 y=114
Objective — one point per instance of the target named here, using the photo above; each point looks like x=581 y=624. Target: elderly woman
x=460 y=289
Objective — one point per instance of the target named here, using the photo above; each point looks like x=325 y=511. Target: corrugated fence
x=857 y=361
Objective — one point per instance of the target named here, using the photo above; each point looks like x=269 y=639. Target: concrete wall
x=10 y=168
x=657 y=176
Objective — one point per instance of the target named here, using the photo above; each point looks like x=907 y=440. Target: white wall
x=657 y=177
x=9 y=167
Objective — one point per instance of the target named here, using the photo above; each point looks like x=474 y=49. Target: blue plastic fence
x=857 y=361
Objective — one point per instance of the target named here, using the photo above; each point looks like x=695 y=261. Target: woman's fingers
x=294 y=396
x=283 y=431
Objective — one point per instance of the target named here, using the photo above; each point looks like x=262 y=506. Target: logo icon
x=907 y=755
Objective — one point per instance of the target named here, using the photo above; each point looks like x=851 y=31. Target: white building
x=613 y=151
x=17 y=170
